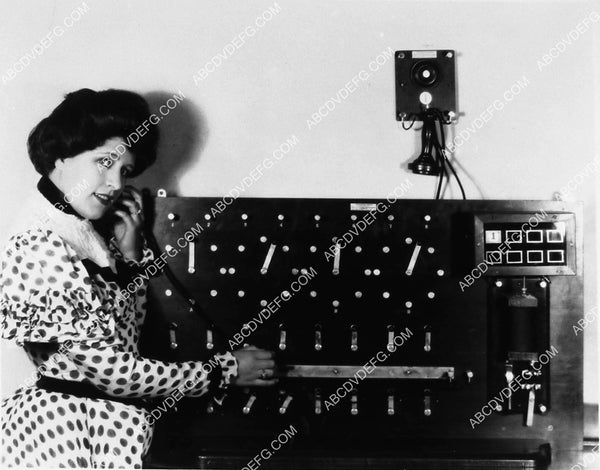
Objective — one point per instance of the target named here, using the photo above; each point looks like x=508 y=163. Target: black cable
x=414 y=116
x=443 y=173
x=462 y=190
x=179 y=287
x=441 y=151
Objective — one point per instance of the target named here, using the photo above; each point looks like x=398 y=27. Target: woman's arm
x=125 y=374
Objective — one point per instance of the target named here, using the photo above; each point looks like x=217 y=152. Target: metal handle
x=173 y=336
x=354 y=338
x=248 y=406
x=427 y=404
x=354 y=405
x=286 y=403
x=318 y=338
x=282 y=338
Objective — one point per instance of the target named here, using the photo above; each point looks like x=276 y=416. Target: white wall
x=266 y=90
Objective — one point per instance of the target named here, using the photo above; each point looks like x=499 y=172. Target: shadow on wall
x=183 y=135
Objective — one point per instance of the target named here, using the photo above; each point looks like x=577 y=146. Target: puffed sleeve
x=46 y=294
x=125 y=374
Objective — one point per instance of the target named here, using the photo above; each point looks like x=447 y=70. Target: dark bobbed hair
x=85 y=120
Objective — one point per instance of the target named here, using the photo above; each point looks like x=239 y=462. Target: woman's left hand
x=128 y=231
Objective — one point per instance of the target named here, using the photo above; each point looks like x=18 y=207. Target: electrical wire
x=434 y=137
x=414 y=118
x=179 y=287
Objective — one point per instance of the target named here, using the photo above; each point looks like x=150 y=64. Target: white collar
x=78 y=233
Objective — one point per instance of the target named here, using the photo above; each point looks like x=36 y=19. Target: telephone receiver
x=106 y=224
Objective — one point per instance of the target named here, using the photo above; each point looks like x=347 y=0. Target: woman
x=59 y=282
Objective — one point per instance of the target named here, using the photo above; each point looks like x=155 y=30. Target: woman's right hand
x=256 y=367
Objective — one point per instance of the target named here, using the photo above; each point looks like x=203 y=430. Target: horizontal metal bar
x=379 y=372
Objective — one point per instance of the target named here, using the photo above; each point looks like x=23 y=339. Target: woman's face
x=93 y=180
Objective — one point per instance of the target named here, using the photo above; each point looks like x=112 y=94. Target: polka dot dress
x=74 y=326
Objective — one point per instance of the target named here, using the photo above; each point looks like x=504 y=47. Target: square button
x=535 y=236
x=554 y=236
x=535 y=256
x=493 y=236
x=556 y=256
x=514 y=236
x=514 y=257
x=493 y=257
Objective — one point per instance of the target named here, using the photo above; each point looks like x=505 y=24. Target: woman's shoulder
x=45 y=293
x=37 y=243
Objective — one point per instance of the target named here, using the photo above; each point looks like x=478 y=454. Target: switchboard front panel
x=405 y=332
